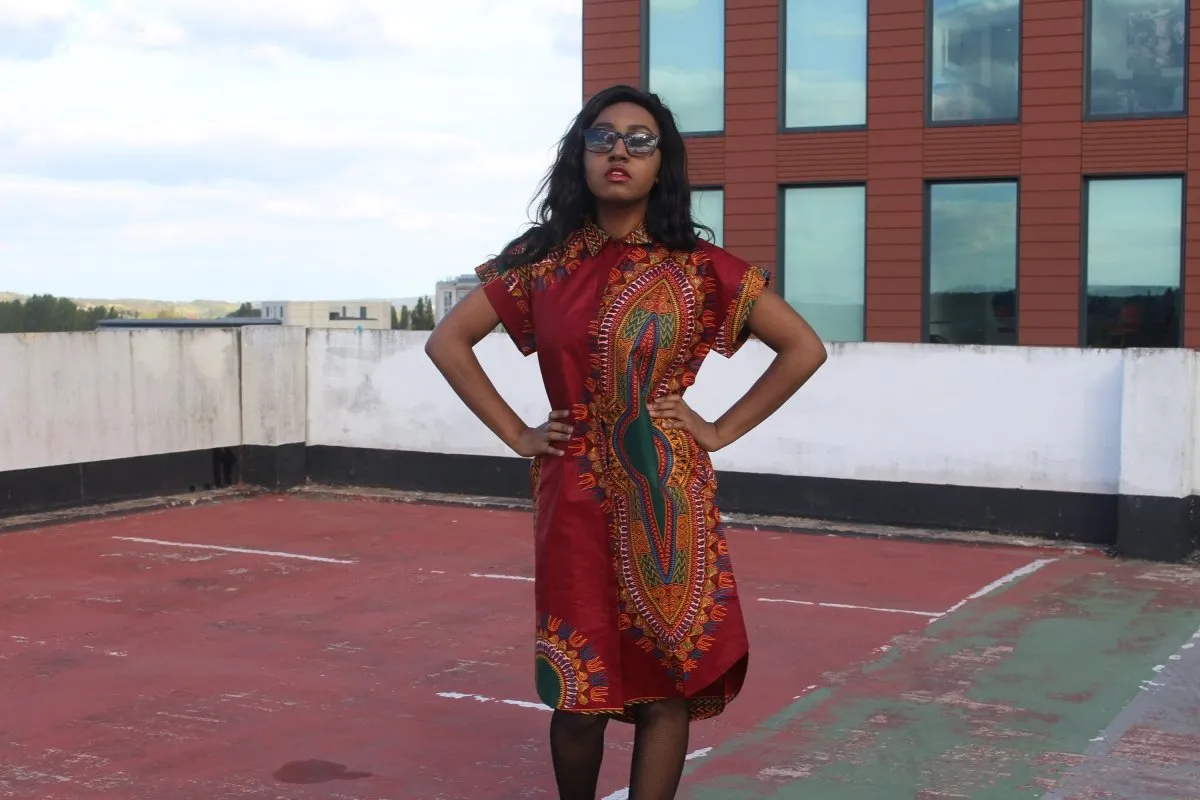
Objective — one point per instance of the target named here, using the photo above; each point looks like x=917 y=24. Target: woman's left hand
x=680 y=416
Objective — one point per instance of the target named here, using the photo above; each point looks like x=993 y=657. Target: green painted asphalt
x=994 y=702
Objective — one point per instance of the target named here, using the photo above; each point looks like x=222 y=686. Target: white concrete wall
x=996 y=417
x=378 y=389
x=1158 y=407
x=1196 y=428
x=274 y=385
x=73 y=397
x=1057 y=419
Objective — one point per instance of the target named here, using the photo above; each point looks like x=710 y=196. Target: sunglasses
x=603 y=140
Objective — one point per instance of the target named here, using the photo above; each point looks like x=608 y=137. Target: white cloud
x=32 y=29
x=321 y=148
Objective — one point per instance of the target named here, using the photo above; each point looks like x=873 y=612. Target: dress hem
x=700 y=707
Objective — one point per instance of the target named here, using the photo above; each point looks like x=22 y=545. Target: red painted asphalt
x=139 y=670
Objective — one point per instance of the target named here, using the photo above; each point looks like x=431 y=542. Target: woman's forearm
x=457 y=362
x=789 y=370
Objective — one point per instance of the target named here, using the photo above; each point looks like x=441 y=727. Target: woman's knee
x=661 y=711
x=576 y=724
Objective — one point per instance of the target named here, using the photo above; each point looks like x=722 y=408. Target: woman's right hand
x=539 y=441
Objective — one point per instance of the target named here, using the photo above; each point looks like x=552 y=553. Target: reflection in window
x=686 y=60
x=824 y=258
x=1134 y=253
x=1137 y=61
x=708 y=208
x=975 y=51
x=972 y=268
x=825 y=84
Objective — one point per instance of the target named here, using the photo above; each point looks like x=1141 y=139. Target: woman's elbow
x=437 y=344
x=820 y=354
x=806 y=351
x=812 y=355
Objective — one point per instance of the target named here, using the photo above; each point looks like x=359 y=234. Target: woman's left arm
x=799 y=353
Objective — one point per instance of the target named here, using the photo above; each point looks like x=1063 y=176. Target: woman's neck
x=618 y=221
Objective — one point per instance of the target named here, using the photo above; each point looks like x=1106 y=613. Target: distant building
x=351 y=314
x=449 y=292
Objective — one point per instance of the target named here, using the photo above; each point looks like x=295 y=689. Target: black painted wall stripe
x=28 y=491
x=1071 y=516
x=1156 y=528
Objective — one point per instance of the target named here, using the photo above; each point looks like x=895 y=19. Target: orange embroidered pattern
x=656 y=319
x=568 y=673
x=734 y=332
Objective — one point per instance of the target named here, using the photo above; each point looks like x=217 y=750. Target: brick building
x=968 y=171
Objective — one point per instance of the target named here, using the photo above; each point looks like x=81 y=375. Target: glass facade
x=1133 y=262
x=824 y=258
x=974 y=61
x=972 y=263
x=825 y=67
x=686 y=61
x=816 y=161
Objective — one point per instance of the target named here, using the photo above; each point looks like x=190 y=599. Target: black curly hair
x=568 y=202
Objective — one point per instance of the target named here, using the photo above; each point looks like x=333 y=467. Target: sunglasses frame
x=655 y=140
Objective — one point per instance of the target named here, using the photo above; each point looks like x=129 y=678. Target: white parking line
x=482 y=699
x=501 y=577
x=244 y=550
x=850 y=607
x=1019 y=572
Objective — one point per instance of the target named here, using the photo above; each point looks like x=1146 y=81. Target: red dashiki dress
x=635 y=594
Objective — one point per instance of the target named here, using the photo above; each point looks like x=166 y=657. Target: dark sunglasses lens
x=599 y=140
x=640 y=143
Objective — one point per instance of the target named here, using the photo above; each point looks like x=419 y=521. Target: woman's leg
x=660 y=742
x=577 y=747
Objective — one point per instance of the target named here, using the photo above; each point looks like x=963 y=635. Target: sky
x=273 y=149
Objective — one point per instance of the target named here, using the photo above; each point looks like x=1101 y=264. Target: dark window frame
x=782 y=126
x=927 y=250
x=780 y=273
x=1084 y=226
x=930 y=122
x=644 y=72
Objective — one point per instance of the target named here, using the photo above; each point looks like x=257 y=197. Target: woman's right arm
x=451 y=347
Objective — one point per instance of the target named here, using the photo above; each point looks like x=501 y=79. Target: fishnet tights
x=660 y=743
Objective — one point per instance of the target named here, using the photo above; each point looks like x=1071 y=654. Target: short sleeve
x=738 y=285
x=511 y=298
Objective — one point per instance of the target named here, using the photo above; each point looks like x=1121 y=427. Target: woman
x=638 y=616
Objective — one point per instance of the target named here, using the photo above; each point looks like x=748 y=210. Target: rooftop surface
x=304 y=647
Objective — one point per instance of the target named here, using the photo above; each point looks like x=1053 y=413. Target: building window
x=685 y=60
x=708 y=208
x=825 y=63
x=1137 y=61
x=971 y=272
x=1133 y=262
x=974 y=61
x=824 y=258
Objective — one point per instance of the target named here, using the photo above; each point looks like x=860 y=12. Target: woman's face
x=626 y=173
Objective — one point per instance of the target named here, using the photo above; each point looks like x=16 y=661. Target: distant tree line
x=417 y=319
x=45 y=313
x=245 y=310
